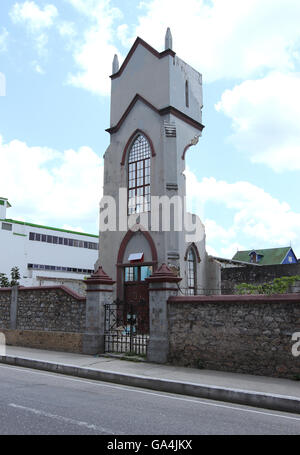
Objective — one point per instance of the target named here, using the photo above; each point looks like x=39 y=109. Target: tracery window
x=139 y=172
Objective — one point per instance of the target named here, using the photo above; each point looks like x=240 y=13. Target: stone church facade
x=156 y=116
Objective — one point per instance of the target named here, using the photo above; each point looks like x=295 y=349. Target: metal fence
x=123 y=330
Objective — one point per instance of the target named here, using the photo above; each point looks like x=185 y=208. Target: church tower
x=156 y=116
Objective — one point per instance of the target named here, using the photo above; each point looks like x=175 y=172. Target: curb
x=238 y=396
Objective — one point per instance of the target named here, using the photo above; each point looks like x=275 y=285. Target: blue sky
x=243 y=176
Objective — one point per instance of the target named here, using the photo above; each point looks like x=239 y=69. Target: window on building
x=139 y=172
x=62 y=241
x=187 y=101
x=191 y=260
x=131 y=274
x=7 y=226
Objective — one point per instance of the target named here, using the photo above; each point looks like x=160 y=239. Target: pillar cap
x=163 y=275
x=99 y=277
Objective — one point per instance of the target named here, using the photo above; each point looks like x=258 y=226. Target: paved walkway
x=261 y=391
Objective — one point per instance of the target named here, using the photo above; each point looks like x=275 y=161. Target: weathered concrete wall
x=57 y=341
x=255 y=275
x=244 y=334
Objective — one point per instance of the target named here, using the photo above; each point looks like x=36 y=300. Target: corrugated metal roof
x=270 y=256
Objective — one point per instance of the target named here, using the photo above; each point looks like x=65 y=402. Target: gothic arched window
x=139 y=171
x=191 y=261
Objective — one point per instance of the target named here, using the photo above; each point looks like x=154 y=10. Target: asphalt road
x=41 y=403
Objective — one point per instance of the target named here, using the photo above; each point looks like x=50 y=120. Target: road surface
x=39 y=403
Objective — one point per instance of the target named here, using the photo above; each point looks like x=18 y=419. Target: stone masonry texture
x=243 y=335
x=47 y=318
x=50 y=310
x=5 y=297
x=250 y=274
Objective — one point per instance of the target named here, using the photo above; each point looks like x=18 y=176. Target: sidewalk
x=258 y=391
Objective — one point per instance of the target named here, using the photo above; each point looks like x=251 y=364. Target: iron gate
x=124 y=328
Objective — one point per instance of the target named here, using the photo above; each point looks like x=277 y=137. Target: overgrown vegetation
x=281 y=285
x=14 y=278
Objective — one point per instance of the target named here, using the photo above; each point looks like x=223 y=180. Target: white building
x=45 y=255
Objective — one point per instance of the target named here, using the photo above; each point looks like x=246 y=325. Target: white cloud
x=36 y=21
x=224 y=39
x=37 y=68
x=3 y=40
x=49 y=187
x=67 y=29
x=259 y=220
x=94 y=55
x=265 y=119
x=35 y=18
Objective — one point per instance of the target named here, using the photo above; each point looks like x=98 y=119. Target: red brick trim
x=279 y=298
x=128 y=236
x=122 y=248
x=99 y=277
x=163 y=275
x=147 y=46
x=99 y=290
x=163 y=111
x=48 y=288
x=131 y=139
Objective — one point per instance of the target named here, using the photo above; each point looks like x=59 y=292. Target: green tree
x=15 y=276
x=4 y=283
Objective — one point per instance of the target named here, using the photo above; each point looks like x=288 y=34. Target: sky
x=242 y=177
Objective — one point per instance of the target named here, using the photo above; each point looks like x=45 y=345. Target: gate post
x=98 y=293
x=162 y=284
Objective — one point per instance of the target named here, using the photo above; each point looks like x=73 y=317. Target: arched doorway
x=137 y=260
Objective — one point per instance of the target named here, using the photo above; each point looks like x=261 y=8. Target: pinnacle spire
x=115 y=66
x=168 y=39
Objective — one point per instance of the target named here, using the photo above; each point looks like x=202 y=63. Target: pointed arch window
x=191 y=261
x=139 y=173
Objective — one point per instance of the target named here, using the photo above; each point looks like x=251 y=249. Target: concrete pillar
x=13 y=307
x=98 y=294
x=162 y=284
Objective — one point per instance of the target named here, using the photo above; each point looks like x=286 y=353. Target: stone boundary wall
x=56 y=341
x=241 y=334
x=5 y=300
x=254 y=275
x=50 y=309
x=42 y=309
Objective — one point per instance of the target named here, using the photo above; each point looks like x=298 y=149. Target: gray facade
x=158 y=96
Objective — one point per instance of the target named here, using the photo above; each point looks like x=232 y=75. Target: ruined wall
x=255 y=275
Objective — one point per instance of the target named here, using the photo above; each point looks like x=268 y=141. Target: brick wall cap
x=163 y=275
x=254 y=298
x=48 y=288
x=99 y=277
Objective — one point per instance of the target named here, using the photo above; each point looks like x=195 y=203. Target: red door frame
x=120 y=265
